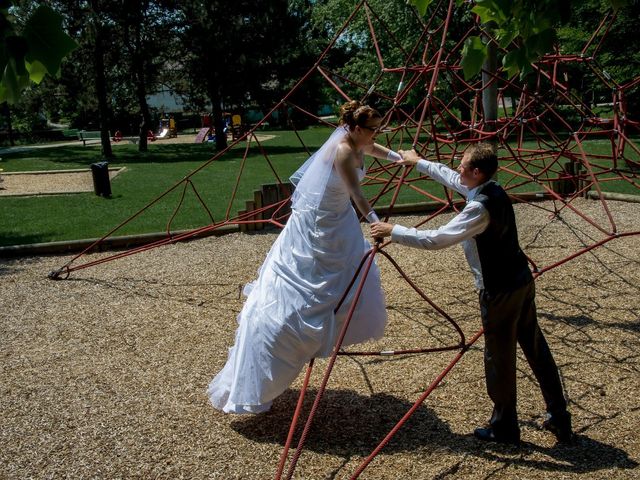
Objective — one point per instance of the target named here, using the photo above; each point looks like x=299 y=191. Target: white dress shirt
x=471 y=221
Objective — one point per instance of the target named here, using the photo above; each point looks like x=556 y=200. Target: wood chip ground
x=103 y=375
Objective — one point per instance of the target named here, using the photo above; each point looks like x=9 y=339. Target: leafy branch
x=37 y=50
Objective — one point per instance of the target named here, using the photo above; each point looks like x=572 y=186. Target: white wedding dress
x=288 y=316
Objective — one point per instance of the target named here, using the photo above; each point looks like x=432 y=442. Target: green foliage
x=236 y=51
x=28 y=56
x=524 y=30
x=617 y=4
x=27 y=117
x=422 y=5
x=355 y=57
x=617 y=56
x=473 y=54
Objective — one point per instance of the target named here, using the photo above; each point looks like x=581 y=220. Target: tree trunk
x=218 y=123
x=465 y=109
x=145 y=124
x=490 y=88
x=141 y=89
x=101 y=88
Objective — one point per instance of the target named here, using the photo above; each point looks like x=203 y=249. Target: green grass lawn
x=84 y=215
x=25 y=220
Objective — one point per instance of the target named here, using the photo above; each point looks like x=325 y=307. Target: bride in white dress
x=288 y=317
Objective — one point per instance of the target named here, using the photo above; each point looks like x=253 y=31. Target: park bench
x=89 y=136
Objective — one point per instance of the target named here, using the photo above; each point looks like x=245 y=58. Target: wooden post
x=269 y=197
x=580 y=173
x=241 y=226
x=250 y=208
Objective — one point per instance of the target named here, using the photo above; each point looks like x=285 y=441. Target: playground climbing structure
x=556 y=148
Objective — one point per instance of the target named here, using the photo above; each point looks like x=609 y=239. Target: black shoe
x=489 y=435
x=560 y=426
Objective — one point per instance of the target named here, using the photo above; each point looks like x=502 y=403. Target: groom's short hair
x=483 y=157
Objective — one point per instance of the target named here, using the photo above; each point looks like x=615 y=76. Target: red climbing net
x=553 y=145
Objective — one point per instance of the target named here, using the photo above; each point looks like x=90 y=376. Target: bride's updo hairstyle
x=353 y=113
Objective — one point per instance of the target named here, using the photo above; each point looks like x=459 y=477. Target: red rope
x=415 y=406
x=294 y=421
x=329 y=368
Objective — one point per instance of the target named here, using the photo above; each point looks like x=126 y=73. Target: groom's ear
x=480 y=175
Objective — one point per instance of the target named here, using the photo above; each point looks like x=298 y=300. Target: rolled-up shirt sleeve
x=471 y=221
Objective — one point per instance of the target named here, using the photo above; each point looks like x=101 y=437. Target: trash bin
x=101 y=182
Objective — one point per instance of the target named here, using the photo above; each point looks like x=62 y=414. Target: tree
x=82 y=93
x=521 y=30
x=525 y=29
x=355 y=55
x=72 y=97
x=99 y=39
x=122 y=53
x=145 y=26
x=617 y=56
x=33 y=46
x=230 y=54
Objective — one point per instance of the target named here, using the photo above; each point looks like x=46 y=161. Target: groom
x=486 y=227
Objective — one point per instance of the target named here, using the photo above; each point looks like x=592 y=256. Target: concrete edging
x=111 y=243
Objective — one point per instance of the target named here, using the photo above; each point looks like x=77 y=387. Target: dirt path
x=49 y=182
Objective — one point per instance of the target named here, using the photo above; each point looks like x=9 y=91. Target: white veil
x=310 y=180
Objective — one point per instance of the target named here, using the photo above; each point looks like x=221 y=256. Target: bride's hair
x=353 y=113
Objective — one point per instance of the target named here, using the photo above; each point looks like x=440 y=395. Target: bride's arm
x=345 y=165
x=378 y=151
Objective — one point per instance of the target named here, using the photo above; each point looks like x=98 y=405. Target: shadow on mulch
x=349 y=424
x=585 y=455
x=10 y=266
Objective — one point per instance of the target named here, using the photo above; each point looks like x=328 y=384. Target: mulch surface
x=103 y=375
x=48 y=183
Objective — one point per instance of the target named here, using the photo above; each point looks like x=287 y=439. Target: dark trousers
x=509 y=318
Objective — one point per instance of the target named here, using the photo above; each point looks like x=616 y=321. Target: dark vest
x=504 y=265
